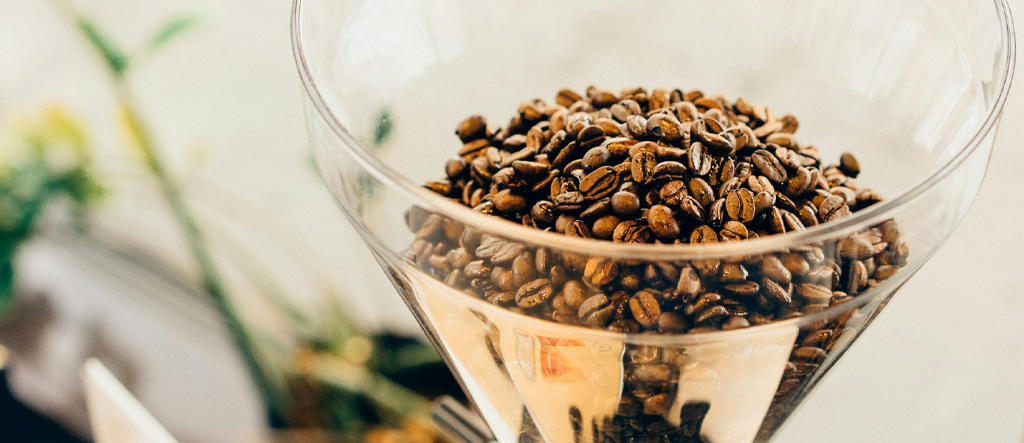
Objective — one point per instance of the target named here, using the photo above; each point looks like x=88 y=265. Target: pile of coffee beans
x=656 y=166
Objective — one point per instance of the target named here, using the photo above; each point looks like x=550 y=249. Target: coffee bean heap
x=667 y=167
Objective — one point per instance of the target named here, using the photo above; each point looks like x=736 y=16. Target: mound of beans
x=656 y=166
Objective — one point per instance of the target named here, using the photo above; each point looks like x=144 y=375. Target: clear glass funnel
x=915 y=88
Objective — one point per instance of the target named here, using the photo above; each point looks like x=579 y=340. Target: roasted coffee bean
x=701 y=191
x=662 y=222
x=596 y=311
x=668 y=170
x=534 y=293
x=645 y=308
x=716 y=213
x=671 y=323
x=600 y=183
x=745 y=290
x=813 y=294
x=732 y=273
x=769 y=166
x=775 y=292
x=604 y=227
x=703 y=235
x=739 y=205
x=599 y=271
x=672 y=193
x=665 y=127
x=692 y=209
x=665 y=167
x=774 y=269
x=643 y=167
x=849 y=165
x=472 y=128
x=566 y=97
x=734 y=231
x=833 y=208
x=657 y=404
x=570 y=201
x=508 y=202
x=698 y=160
x=625 y=203
x=631 y=232
x=856 y=248
x=578 y=228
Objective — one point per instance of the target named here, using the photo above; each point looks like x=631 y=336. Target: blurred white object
x=116 y=416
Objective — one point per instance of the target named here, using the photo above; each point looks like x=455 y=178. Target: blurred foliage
x=337 y=377
x=43 y=159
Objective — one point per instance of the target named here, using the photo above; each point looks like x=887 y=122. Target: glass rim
x=857 y=221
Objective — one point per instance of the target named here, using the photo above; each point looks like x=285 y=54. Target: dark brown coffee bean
x=856 y=248
x=697 y=160
x=534 y=293
x=745 y=290
x=739 y=205
x=808 y=215
x=732 y=273
x=729 y=186
x=671 y=323
x=570 y=201
x=703 y=235
x=711 y=314
x=672 y=193
x=775 y=292
x=623 y=326
x=692 y=209
x=599 y=184
x=662 y=222
x=604 y=227
x=716 y=213
x=543 y=213
x=566 y=97
x=574 y=293
x=701 y=191
x=599 y=271
x=643 y=167
x=769 y=166
x=472 y=128
x=857 y=277
x=792 y=222
x=603 y=99
x=625 y=203
x=665 y=127
x=773 y=268
x=506 y=201
x=849 y=165
x=630 y=231
x=595 y=158
x=833 y=208
x=523 y=270
x=668 y=170
x=596 y=311
x=813 y=294
x=578 y=228
x=645 y=308
x=734 y=231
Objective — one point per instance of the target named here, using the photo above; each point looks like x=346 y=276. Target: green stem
x=197 y=245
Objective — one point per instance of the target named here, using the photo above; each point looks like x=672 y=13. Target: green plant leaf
x=116 y=59
x=172 y=29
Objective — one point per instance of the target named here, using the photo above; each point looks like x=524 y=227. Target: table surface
x=942 y=364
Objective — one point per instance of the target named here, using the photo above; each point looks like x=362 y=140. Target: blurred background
x=159 y=210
